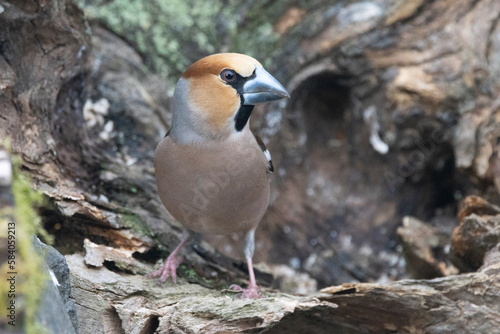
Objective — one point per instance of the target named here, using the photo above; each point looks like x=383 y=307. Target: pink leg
x=171 y=263
x=253 y=290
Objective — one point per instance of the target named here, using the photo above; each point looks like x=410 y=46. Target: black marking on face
x=245 y=111
x=242 y=116
x=237 y=81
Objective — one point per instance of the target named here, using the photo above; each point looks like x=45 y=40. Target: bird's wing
x=266 y=152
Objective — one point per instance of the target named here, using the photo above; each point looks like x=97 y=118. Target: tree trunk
x=393 y=113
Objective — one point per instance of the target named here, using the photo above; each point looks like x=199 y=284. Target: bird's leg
x=172 y=262
x=252 y=291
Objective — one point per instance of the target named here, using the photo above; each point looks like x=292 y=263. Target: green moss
x=26 y=199
x=29 y=265
x=192 y=277
x=173 y=34
x=134 y=222
x=188 y=273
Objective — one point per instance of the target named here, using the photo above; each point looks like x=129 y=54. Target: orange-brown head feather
x=214 y=100
x=214 y=64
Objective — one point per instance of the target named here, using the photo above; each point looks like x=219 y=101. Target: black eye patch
x=237 y=81
x=233 y=79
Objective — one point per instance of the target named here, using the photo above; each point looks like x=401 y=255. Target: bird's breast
x=213 y=188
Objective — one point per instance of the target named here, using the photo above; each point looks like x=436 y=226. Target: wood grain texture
x=420 y=76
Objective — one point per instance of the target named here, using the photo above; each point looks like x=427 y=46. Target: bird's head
x=215 y=96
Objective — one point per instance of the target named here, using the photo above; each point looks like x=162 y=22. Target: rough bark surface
x=394 y=112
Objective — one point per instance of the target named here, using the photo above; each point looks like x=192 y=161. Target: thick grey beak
x=263 y=88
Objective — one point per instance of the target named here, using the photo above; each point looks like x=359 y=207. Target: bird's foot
x=251 y=292
x=168 y=269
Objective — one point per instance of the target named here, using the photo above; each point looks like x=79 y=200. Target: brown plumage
x=212 y=173
x=218 y=187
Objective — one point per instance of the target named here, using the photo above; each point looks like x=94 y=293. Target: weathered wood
x=479 y=231
x=115 y=302
x=128 y=303
x=394 y=112
x=454 y=304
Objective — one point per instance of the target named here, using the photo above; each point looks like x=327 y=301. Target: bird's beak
x=263 y=88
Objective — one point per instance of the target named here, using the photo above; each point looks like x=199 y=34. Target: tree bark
x=394 y=113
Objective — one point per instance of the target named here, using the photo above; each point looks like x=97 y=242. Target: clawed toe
x=236 y=288
x=250 y=292
x=169 y=269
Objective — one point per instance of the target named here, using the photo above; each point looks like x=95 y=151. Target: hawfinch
x=212 y=173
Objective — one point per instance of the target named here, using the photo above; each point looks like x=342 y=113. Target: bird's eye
x=228 y=75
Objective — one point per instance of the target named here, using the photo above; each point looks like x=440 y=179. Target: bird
x=212 y=173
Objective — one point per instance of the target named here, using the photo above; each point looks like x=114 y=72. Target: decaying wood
x=131 y=304
x=394 y=113
x=454 y=304
x=479 y=231
x=420 y=242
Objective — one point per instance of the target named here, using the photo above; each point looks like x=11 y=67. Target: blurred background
x=393 y=121
x=392 y=114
